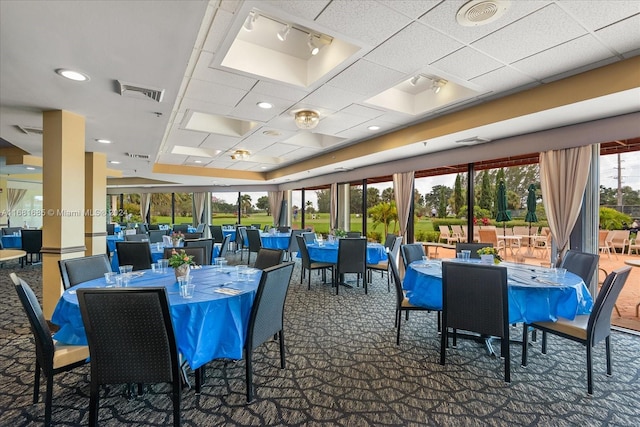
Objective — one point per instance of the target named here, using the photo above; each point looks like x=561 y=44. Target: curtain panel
x=403 y=193
x=145 y=204
x=563 y=179
x=14 y=197
x=275 y=203
x=199 y=199
x=333 y=207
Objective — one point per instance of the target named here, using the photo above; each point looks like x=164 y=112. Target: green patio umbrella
x=503 y=214
x=531 y=207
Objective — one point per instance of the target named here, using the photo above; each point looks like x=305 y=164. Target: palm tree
x=245 y=203
x=384 y=213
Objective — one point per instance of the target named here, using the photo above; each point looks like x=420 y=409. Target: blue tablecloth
x=208 y=326
x=528 y=302
x=329 y=252
x=275 y=241
x=11 y=242
x=111 y=242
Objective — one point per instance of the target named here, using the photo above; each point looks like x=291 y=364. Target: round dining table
x=328 y=252
x=210 y=325
x=535 y=295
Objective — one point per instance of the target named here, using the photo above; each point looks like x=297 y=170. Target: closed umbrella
x=531 y=211
x=503 y=214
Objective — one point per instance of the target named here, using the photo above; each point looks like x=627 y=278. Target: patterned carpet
x=344 y=369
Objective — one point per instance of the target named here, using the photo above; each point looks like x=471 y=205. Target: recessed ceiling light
x=72 y=75
x=103 y=141
x=264 y=104
x=197 y=161
x=263 y=167
x=31 y=168
x=374 y=127
x=114 y=162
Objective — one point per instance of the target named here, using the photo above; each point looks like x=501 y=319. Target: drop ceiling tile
x=396 y=117
x=249 y=110
x=282 y=91
x=414 y=47
x=189 y=104
x=534 y=33
x=623 y=36
x=362 y=111
x=365 y=20
x=302 y=153
x=219 y=142
x=307 y=9
x=337 y=122
x=413 y=9
x=443 y=18
x=279 y=150
x=331 y=98
x=568 y=56
x=219 y=30
x=171 y=159
x=467 y=63
x=504 y=78
x=366 y=78
x=185 y=137
x=214 y=92
x=203 y=71
x=598 y=14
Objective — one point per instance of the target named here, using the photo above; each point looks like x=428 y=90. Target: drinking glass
x=126 y=269
x=110 y=277
x=241 y=272
x=466 y=254
x=119 y=280
x=163 y=264
x=425 y=259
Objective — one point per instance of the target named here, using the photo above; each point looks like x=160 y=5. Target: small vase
x=175 y=242
x=182 y=271
x=487 y=259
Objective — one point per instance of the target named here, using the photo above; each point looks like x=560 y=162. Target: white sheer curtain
x=563 y=177
x=199 y=199
x=403 y=193
x=14 y=197
x=333 y=207
x=275 y=203
x=145 y=203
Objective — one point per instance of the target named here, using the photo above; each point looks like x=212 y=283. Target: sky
x=630 y=164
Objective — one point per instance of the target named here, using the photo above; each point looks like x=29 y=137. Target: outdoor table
x=533 y=295
x=275 y=241
x=328 y=252
x=211 y=325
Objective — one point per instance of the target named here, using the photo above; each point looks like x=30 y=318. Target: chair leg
x=506 y=353
x=282 y=358
x=249 y=375
x=36 y=384
x=398 y=323
x=176 y=403
x=589 y=370
x=544 y=342
x=607 y=343
x=94 y=396
x=443 y=345
x=48 y=397
x=525 y=344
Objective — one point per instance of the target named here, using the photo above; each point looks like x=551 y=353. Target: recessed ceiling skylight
x=72 y=75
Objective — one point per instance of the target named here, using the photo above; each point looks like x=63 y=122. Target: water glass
x=155 y=268
x=126 y=269
x=110 y=278
x=560 y=272
x=119 y=280
x=466 y=254
x=241 y=272
x=220 y=261
x=163 y=264
x=460 y=256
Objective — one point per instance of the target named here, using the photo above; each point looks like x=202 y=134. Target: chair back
x=268 y=258
x=397 y=282
x=599 y=326
x=200 y=228
x=444 y=231
x=473 y=247
x=31 y=241
x=142 y=228
x=111 y=229
x=136 y=238
x=353 y=234
x=255 y=241
x=284 y=229
x=267 y=312
x=137 y=254
x=293 y=242
x=583 y=264
x=309 y=237
x=352 y=255
x=155 y=236
x=486 y=286
x=256 y=226
x=216 y=233
x=207 y=244
x=153 y=227
x=182 y=228
x=45 y=347
x=8 y=231
x=224 y=247
x=488 y=236
x=130 y=335
x=78 y=270
x=197 y=252
x=388 y=240
x=394 y=252
x=241 y=236
x=304 y=252
x=411 y=252
x=193 y=236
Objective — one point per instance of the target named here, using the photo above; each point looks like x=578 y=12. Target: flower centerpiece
x=176 y=238
x=490 y=253
x=339 y=232
x=180 y=262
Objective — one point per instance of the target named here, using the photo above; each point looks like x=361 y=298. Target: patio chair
x=255 y=242
x=267 y=258
x=137 y=254
x=32 y=245
x=182 y=228
x=491 y=236
x=207 y=244
x=446 y=235
x=309 y=264
x=411 y=252
x=216 y=233
x=588 y=330
x=352 y=258
x=604 y=238
x=383 y=266
x=131 y=341
x=224 y=247
x=197 y=252
x=634 y=245
x=489 y=313
x=619 y=240
x=582 y=264
x=293 y=244
x=155 y=236
x=473 y=247
x=52 y=357
x=136 y=238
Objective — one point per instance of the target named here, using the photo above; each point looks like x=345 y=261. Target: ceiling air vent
x=30 y=130
x=481 y=12
x=138 y=156
x=138 y=91
x=473 y=141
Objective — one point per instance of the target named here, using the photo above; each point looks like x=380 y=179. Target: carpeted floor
x=344 y=369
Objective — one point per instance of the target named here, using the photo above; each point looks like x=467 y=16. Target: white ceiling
x=179 y=46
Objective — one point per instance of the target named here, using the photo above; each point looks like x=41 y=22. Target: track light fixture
x=414 y=80
x=248 y=23
x=437 y=84
x=313 y=47
x=284 y=32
